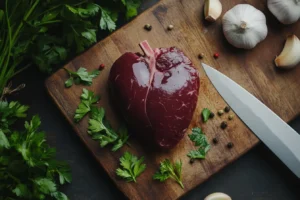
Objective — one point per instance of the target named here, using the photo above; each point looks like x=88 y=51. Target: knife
x=277 y=135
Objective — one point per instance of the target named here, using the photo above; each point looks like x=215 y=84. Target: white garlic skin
x=244 y=26
x=286 y=11
x=217 y=196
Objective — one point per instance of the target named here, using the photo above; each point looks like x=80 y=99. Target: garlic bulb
x=286 y=11
x=212 y=10
x=244 y=26
x=217 y=196
x=290 y=55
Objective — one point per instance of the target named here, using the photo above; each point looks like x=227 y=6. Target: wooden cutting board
x=254 y=70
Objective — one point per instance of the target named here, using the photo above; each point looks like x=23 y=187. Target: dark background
x=258 y=175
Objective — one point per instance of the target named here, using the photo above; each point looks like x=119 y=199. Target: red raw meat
x=157 y=93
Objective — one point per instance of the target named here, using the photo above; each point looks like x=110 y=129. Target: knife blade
x=277 y=135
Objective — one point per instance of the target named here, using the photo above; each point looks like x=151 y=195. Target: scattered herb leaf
x=122 y=138
x=88 y=98
x=101 y=130
x=169 y=170
x=205 y=114
x=200 y=141
x=131 y=168
x=81 y=76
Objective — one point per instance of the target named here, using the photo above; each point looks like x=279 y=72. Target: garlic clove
x=290 y=55
x=218 y=196
x=286 y=11
x=212 y=10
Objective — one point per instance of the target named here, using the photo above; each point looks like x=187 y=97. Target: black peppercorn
x=148 y=27
x=223 y=125
x=215 y=140
x=211 y=115
x=192 y=160
x=201 y=56
x=230 y=145
x=227 y=109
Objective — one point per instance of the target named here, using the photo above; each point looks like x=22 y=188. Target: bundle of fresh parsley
x=28 y=168
x=46 y=33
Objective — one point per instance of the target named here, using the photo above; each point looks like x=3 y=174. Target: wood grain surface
x=254 y=70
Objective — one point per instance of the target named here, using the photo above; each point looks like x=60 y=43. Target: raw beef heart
x=157 y=93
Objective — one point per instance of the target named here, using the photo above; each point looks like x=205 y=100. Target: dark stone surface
x=258 y=175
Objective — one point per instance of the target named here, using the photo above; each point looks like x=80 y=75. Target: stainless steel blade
x=268 y=127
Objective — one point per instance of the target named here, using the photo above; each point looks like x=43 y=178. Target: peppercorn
x=230 y=117
x=220 y=112
x=192 y=160
x=201 y=55
x=223 y=125
x=101 y=66
x=230 y=145
x=216 y=55
x=215 y=140
x=211 y=115
x=227 y=109
x=148 y=27
x=170 y=27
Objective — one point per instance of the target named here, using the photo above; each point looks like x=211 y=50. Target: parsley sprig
x=131 y=168
x=28 y=168
x=101 y=130
x=81 y=76
x=205 y=114
x=201 y=142
x=168 y=170
x=88 y=98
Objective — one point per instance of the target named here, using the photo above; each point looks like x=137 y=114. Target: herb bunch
x=28 y=168
x=46 y=33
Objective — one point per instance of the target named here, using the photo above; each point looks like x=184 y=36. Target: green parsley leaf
x=90 y=35
x=45 y=185
x=63 y=171
x=205 y=114
x=100 y=129
x=59 y=196
x=88 y=98
x=168 y=170
x=9 y=113
x=122 y=139
x=69 y=82
x=132 y=167
x=200 y=141
x=3 y=140
x=131 y=7
x=21 y=190
x=91 y=10
x=106 y=22
x=82 y=76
